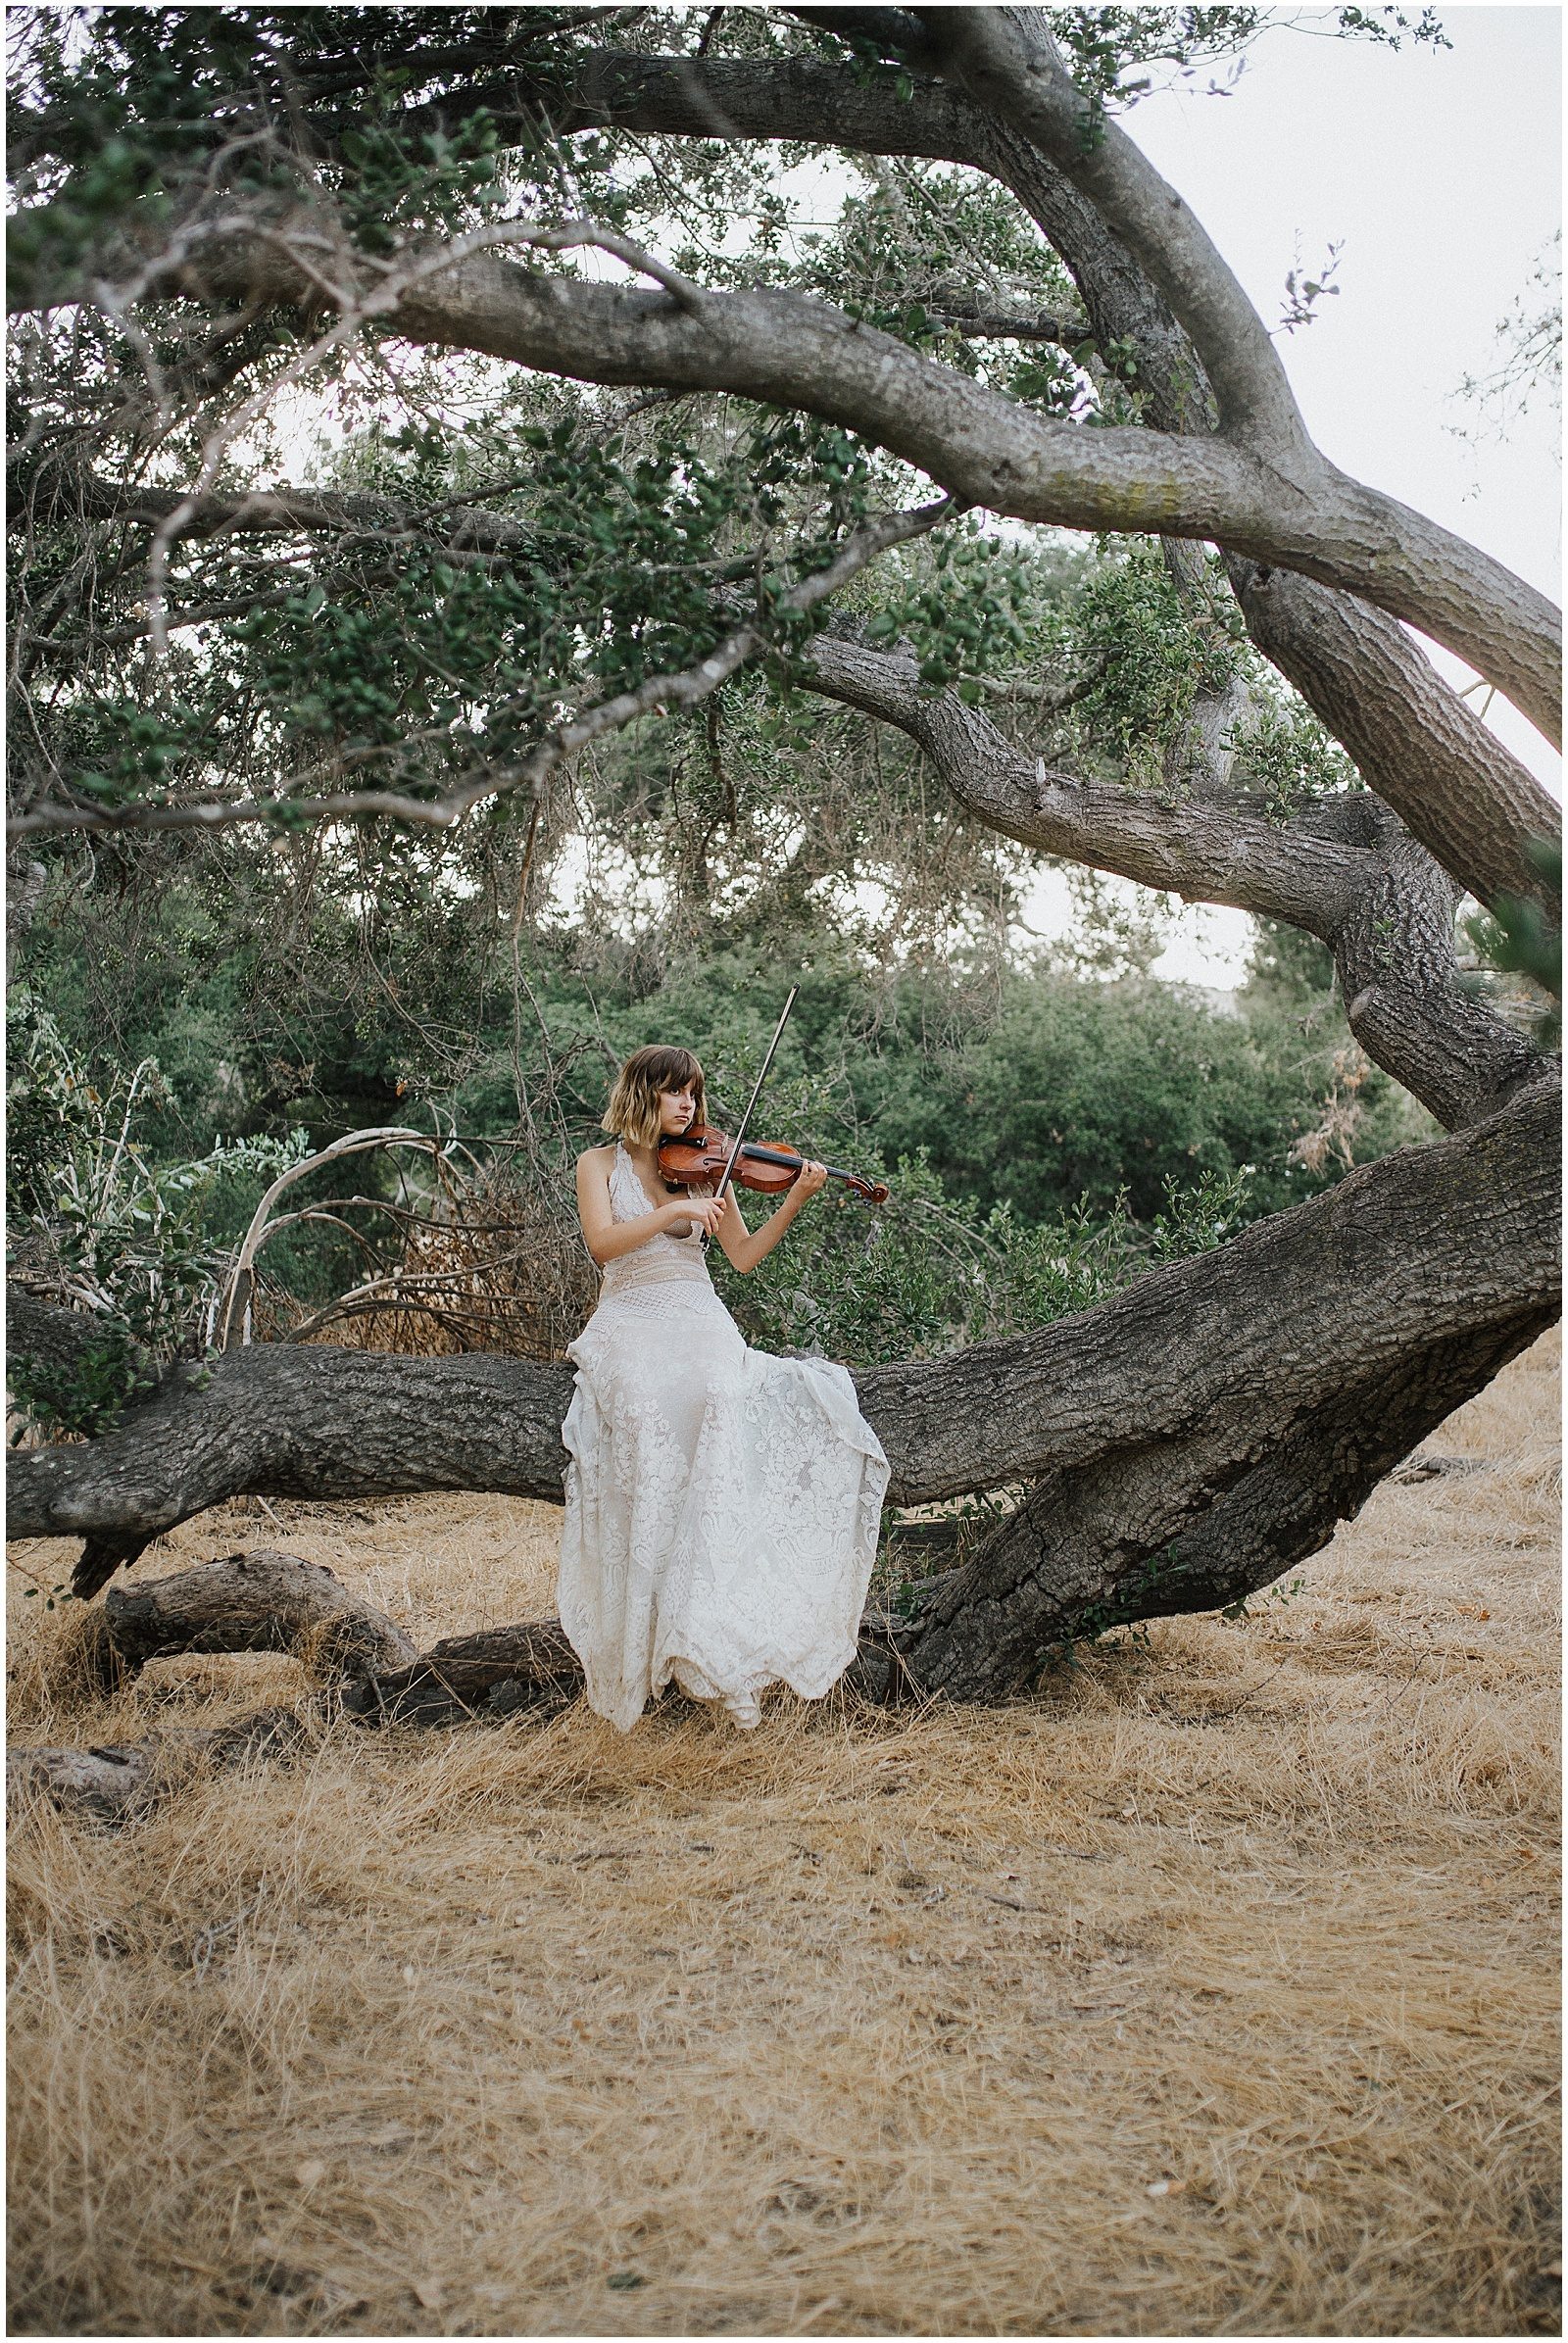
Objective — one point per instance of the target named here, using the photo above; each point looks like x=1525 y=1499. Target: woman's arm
x=747 y=1247
x=607 y=1237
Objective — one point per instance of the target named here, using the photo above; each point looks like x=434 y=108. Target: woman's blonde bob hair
x=633 y=1112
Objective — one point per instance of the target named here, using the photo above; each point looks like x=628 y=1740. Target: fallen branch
x=493 y=1674
x=503 y=1671
x=262 y=1602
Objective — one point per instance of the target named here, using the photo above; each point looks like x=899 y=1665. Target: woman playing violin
x=722 y=1505
x=679 y=1109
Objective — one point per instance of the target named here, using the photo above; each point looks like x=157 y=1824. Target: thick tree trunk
x=1204 y=1430
x=1180 y=1526
x=292 y=1421
x=1165 y=1527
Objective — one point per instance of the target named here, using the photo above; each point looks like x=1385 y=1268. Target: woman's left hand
x=809 y=1178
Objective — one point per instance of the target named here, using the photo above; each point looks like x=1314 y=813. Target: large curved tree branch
x=789 y=351
x=1415 y=742
x=794 y=97
x=1345 y=869
x=1206 y=848
x=1413 y=739
x=700 y=97
x=1005 y=59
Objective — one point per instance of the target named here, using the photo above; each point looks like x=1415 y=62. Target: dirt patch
x=1212 y=1990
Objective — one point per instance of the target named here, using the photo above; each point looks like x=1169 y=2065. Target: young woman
x=721 y=1505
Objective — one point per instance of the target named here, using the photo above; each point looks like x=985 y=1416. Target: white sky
x=1439 y=172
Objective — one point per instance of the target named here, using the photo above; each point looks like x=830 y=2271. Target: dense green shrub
x=95 y=1221
x=1082 y=1093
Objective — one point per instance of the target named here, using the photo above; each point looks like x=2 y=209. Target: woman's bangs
x=674 y=1069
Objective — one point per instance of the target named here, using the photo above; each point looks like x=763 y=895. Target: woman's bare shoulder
x=603 y=1157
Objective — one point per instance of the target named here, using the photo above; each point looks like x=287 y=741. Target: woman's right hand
x=703 y=1212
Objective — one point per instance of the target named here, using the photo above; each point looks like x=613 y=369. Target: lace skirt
x=722 y=1508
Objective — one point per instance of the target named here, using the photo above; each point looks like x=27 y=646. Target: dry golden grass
x=1211 y=1992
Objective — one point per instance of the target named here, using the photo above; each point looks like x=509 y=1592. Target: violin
x=697 y=1157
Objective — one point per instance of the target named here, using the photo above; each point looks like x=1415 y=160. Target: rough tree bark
x=1193 y=1524
x=119 y=1782
x=1431 y=743
x=791 y=351
x=1345 y=869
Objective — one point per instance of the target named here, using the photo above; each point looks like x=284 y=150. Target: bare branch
x=332 y=514
x=954 y=306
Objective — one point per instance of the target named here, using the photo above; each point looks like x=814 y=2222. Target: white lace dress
x=721 y=1505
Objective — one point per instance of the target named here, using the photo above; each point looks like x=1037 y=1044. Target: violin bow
x=722 y=1190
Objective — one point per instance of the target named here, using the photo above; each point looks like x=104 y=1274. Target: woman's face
x=676 y=1108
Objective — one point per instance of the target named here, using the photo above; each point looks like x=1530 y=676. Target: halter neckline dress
x=722 y=1505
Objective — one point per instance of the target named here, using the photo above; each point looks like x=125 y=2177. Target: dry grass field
x=1213 y=1991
